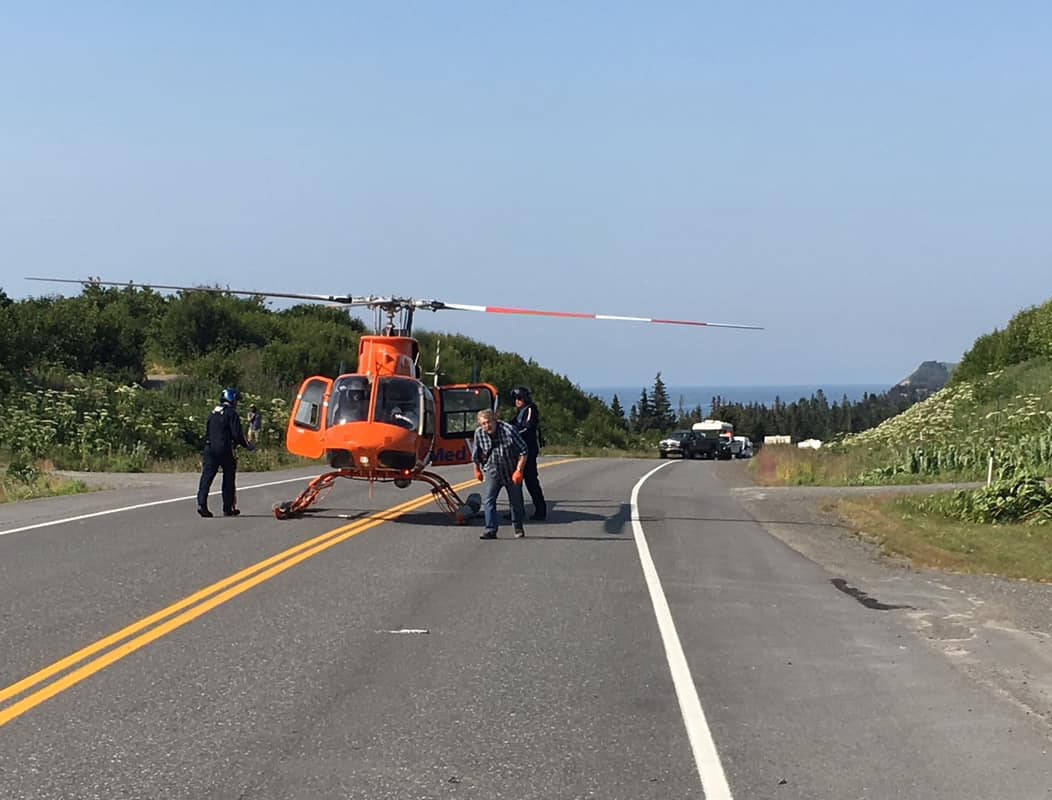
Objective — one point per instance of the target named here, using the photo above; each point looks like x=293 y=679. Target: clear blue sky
x=871 y=181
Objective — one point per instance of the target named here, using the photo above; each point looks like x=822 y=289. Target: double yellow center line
x=191 y=607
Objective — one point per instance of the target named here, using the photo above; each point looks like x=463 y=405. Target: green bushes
x=95 y=423
x=1024 y=497
x=1027 y=336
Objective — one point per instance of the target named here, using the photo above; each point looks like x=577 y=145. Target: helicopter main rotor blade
x=392 y=303
x=325 y=298
x=577 y=315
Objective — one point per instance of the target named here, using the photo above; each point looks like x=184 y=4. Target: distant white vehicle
x=814 y=444
x=714 y=427
x=777 y=439
x=741 y=447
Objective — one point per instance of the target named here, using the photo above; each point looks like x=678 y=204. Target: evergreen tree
x=664 y=419
x=617 y=411
x=646 y=413
x=633 y=419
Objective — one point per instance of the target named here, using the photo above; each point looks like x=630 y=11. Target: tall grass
x=949 y=436
x=38 y=485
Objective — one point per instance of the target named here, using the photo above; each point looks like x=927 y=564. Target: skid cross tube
x=444 y=495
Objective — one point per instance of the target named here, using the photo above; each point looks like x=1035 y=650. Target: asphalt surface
x=412 y=660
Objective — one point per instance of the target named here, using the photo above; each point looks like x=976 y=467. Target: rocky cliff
x=924 y=381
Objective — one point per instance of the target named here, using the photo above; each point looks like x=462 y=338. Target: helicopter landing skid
x=444 y=494
x=316 y=489
x=449 y=501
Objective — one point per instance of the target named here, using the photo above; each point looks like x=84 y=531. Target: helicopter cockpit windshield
x=398 y=402
x=350 y=400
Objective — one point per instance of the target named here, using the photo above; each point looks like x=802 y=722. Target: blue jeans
x=490 y=489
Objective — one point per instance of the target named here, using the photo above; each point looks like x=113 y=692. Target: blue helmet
x=229 y=396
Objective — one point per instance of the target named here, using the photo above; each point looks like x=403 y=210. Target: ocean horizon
x=689 y=397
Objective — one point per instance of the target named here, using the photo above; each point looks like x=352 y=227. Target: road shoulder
x=994 y=629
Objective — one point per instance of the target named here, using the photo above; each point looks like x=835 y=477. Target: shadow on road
x=613 y=524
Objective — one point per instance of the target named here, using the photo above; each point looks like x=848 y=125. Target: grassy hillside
x=999 y=399
x=952 y=433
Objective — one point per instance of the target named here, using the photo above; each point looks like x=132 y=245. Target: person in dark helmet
x=527 y=422
x=222 y=434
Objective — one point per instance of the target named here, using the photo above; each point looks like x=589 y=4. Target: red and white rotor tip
x=579 y=315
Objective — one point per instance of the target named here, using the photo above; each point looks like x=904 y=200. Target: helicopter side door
x=305 y=435
x=455 y=410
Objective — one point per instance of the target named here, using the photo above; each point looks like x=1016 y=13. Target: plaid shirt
x=499 y=454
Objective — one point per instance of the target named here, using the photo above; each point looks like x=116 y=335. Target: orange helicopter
x=382 y=423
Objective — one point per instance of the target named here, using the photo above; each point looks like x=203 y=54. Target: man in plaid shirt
x=500 y=455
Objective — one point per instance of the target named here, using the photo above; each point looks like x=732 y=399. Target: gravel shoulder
x=119 y=480
x=996 y=630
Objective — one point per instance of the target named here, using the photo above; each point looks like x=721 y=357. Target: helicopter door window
x=308 y=409
x=349 y=401
x=460 y=408
x=399 y=402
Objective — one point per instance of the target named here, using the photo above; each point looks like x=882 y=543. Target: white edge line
x=142 y=505
x=710 y=770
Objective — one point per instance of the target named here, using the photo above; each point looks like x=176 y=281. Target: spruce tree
x=664 y=419
x=646 y=412
x=617 y=411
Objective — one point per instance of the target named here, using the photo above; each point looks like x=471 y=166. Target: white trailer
x=714 y=428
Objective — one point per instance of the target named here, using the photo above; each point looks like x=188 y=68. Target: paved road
x=544 y=671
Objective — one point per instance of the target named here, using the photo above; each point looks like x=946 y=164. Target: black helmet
x=229 y=396
x=520 y=393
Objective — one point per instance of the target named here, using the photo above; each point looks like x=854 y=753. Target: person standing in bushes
x=255 y=423
x=222 y=434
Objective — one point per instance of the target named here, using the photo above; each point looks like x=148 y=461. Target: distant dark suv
x=714 y=447
x=684 y=444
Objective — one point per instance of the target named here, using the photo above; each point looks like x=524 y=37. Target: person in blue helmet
x=222 y=434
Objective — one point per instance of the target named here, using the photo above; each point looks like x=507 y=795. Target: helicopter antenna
x=438 y=353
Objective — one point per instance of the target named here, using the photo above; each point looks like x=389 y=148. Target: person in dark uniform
x=527 y=423
x=222 y=434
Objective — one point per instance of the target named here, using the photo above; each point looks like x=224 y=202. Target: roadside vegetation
x=998 y=402
x=22 y=481
x=1002 y=529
